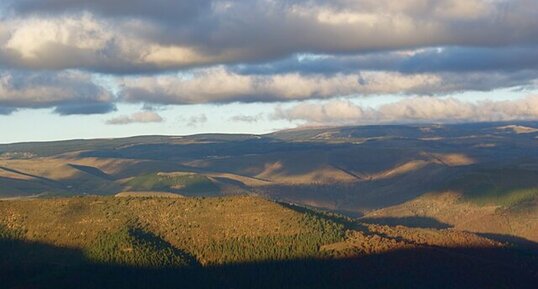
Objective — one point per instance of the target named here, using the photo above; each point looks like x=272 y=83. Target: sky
x=114 y=68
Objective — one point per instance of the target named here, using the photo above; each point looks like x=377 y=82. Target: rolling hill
x=356 y=171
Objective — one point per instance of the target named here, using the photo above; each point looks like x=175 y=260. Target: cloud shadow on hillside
x=518 y=241
x=34 y=265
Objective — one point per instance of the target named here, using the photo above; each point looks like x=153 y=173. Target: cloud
x=465 y=59
x=171 y=11
x=219 y=51
x=324 y=64
x=333 y=112
x=247 y=118
x=85 y=42
x=137 y=117
x=84 y=108
x=220 y=85
x=74 y=92
x=110 y=36
x=411 y=110
x=424 y=60
x=195 y=120
x=6 y=110
x=69 y=92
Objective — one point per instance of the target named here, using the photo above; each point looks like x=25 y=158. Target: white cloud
x=31 y=36
x=84 y=41
x=137 y=117
x=409 y=110
x=218 y=85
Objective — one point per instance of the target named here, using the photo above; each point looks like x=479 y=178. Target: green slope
x=184 y=183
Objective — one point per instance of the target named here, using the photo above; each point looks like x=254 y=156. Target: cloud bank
x=411 y=110
x=122 y=36
x=169 y=52
x=220 y=85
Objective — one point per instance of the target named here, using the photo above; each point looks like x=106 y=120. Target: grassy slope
x=186 y=183
x=507 y=187
x=454 y=210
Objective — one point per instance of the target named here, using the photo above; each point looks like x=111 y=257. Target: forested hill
x=237 y=242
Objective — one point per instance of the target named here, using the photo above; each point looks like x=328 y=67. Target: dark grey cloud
x=462 y=59
x=448 y=59
x=68 y=92
x=456 y=82
x=324 y=64
x=84 y=108
x=6 y=110
x=171 y=11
